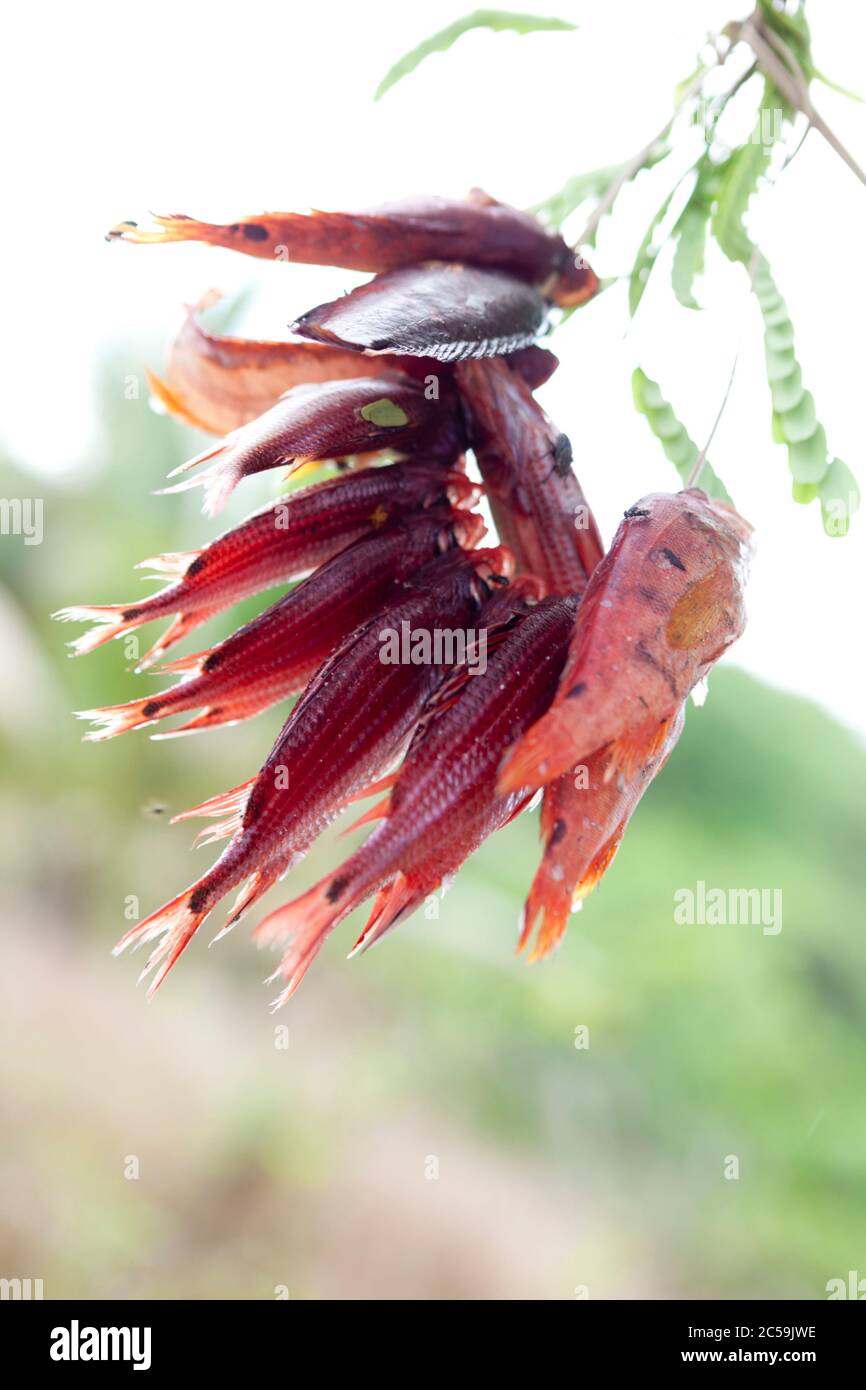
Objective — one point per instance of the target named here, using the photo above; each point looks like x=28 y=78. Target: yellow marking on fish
x=379 y=516
x=700 y=612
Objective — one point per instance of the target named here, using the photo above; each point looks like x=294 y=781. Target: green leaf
x=690 y=234
x=592 y=185
x=780 y=362
x=497 y=20
x=679 y=447
x=688 y=261
x=800 y=423
x=787 y=390
x=646 y=256
x=739 y=179
x=840 y=498
x=795 y=422
x=837 y=87
x=807 y=458
x=385 y=413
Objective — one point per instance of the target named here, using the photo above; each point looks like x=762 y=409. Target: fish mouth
x=495 y=565
x=468 y=529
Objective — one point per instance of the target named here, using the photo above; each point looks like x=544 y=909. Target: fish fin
x=193 y=661
x=630 y=753
x=599 y=866
x=172 y=565
x=451 y=688
x=184 y=623
x=211 y=717
x=392 y=903
x=383 y=784
x=377 y=811
x=255 y=887
x=545 y=751
x=208 y=453
x=232 y=801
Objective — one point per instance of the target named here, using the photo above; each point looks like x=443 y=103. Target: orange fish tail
x=110 y=620
x=172 y=927
x=307 y=922
x=176 y=227
x=548 y=907
x=112 y=720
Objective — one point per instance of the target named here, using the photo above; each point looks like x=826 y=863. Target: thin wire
x=701 y=459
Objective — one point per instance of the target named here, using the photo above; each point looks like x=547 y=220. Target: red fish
x=540 y=511
x=662 y=606
x=477 y=230
x=583 y=820
x=276 y=653
x=328 y=420
x=218 y=383
x=444 y=801
x=435 y=310
x=346 y=729
x=284 y=540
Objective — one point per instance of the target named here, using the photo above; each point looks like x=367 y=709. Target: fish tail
x=548 y=906
x=175 y=227
x=218 y=481
x=172 y=927
x=307 y=922
x=111 y=621
x=112 y=720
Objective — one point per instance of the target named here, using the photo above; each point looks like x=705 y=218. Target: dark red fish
x=276 y=653
x=329 y=420
x=218 y=383
x=435 y=310
x=444 y=801
x=584 y=815
x=346 y=729
x=538 y=505
x=477 y=230
x=661 y=608
x=284 y=540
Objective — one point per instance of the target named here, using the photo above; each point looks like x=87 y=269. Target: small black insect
x=563 y=455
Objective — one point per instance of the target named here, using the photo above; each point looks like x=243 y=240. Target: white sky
x=220 y=110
